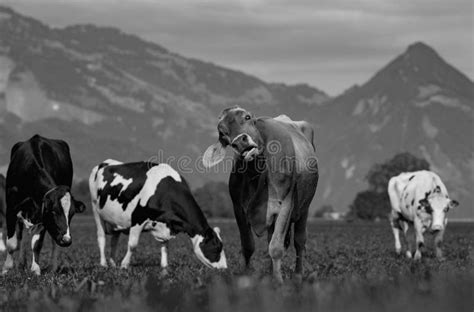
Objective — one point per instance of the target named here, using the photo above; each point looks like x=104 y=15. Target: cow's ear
x=453 y=204
x=80 y=207
x=213 y=155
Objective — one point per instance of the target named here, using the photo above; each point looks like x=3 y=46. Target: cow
x=38 y=197
x=148 y=197
x=2 y=211
x=273 y=180
x=420 y=199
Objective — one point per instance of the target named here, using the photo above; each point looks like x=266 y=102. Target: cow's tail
x=93 y=185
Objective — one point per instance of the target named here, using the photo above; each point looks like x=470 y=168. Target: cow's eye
x=247 y=117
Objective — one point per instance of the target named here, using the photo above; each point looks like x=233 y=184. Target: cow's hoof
x=4 y=271
x=408 y=254
x=278 y=279
x=298 y=278
x=112 y=263
x=417 y=256
x=124 y=266
x=35 y=269
x=104 y=264
x=313 y=277
x=164 y=272
x=398 y=251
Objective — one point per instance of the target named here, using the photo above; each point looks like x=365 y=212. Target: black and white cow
x=420 y=199
x=273 y=180
x=38 y=197
x=3 y=208
x=144 y=196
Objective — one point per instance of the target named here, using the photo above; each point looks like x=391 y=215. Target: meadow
x=348 y=267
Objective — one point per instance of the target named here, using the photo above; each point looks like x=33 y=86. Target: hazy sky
x=330 y=44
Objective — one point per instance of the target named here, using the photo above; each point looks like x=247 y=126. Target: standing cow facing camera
x=38 y=197
x=420 y=199
x=148 y=197
x=273 y=180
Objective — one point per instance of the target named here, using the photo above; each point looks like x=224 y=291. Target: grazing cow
x=2 y=211
x=38 y=197
x=273 y=180
x=419 y=198
x=143 y=196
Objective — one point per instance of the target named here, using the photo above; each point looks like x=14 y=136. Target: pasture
x=348 y=267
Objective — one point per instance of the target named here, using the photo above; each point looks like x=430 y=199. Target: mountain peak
x=421 y=50
x=420 y=46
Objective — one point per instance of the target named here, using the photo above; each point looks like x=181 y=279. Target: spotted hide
x=273 y=180
x=420 y=199
x=148 y=197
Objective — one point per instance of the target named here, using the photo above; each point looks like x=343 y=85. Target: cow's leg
x=13 y=244
x=113 y=248
x=36 y=244
x=21 y=247
x=100 y=235
x=236 y=189
x=133 y=239
x=2 y=243
x=438 y=244
x=164 y=255
x=300 y=244
x=277 y=243
x=270 y=231
x=405 y=227
x=246 y=237
x=420 y=243
x=53 y=256
x=395 y=223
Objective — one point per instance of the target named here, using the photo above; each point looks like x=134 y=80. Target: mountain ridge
x=105 y=91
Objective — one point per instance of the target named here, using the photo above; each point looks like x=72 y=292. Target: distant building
x=334 y=215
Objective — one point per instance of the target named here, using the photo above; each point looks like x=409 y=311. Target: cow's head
x=209 y=249
x=236 y=128
x=58 y=209
x=435 y=206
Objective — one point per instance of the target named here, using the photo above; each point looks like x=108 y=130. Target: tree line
x=370 y=204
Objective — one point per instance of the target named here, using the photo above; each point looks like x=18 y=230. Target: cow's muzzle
x=436 y=227
x=245 y=146
x=64 y=241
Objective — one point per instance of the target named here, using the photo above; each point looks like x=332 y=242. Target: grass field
x=349 y=267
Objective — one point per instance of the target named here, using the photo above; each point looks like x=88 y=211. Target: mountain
x=417 y=103
x=106 y=91
x=114 y=95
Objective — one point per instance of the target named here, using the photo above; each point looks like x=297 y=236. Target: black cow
x=273 y=180
x=145 y=196
x=38 y=196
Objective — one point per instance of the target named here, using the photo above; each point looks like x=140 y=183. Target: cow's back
x=306 y=175
x=130 y=193
x=411 y=187
x=39 y=158
x=423 y=183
